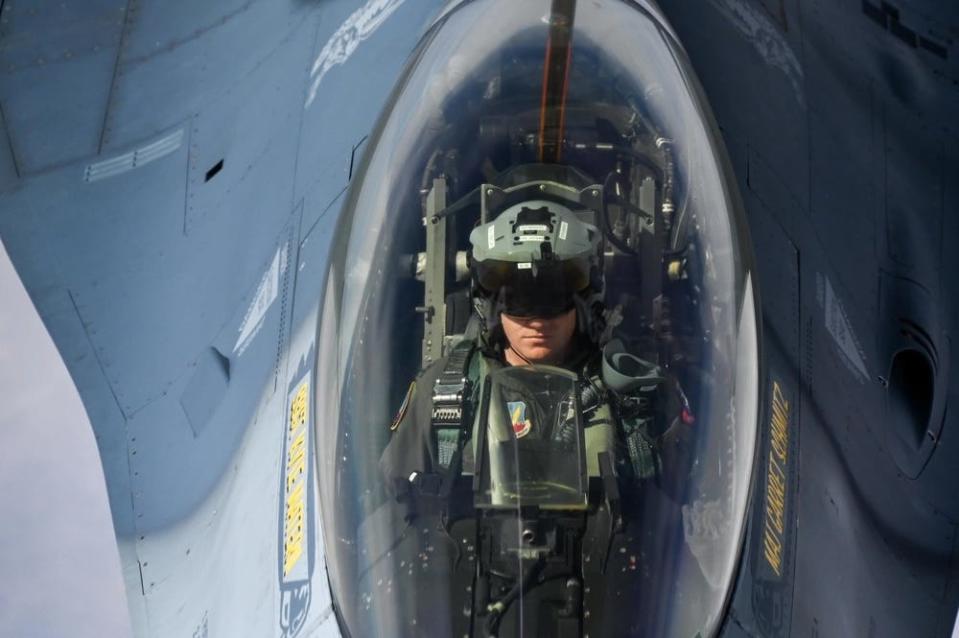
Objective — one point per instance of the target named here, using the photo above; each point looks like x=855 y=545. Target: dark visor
x=533 y=289
x=568 y=275
x=525 y=303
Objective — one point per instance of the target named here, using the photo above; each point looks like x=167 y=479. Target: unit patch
x=517 y=415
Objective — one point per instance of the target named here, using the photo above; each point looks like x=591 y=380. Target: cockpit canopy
x=538 y=156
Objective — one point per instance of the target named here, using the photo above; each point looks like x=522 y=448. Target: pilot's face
x=537 y=339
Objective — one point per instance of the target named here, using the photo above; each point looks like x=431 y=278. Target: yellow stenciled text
x=779 y=424
x=296 y=460
x=293 y=528
x=294 y=522
x=299 y=408
x=776 y=485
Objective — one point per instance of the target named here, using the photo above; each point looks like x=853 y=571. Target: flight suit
x=413 y=448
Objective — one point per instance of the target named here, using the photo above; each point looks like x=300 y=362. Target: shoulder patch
x=517 y=414
x=403 y=407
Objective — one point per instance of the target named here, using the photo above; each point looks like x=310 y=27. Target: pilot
x=537 y=294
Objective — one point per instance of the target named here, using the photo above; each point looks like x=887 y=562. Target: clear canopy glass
x=534 y=441
x=626 y=517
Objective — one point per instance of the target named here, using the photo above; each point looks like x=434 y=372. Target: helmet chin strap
x=519 y=354
x=559 y=361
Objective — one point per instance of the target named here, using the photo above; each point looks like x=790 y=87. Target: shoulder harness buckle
x=450 y=413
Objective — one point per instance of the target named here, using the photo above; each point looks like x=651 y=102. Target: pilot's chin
x=540 y=354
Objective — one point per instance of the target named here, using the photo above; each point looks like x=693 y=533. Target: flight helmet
x=536 y=259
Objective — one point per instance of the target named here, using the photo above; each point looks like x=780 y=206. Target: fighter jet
x=274 y=243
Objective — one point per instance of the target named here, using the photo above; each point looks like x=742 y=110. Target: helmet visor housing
x=534 y=258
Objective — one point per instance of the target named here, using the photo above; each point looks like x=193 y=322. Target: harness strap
x=450 y=418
